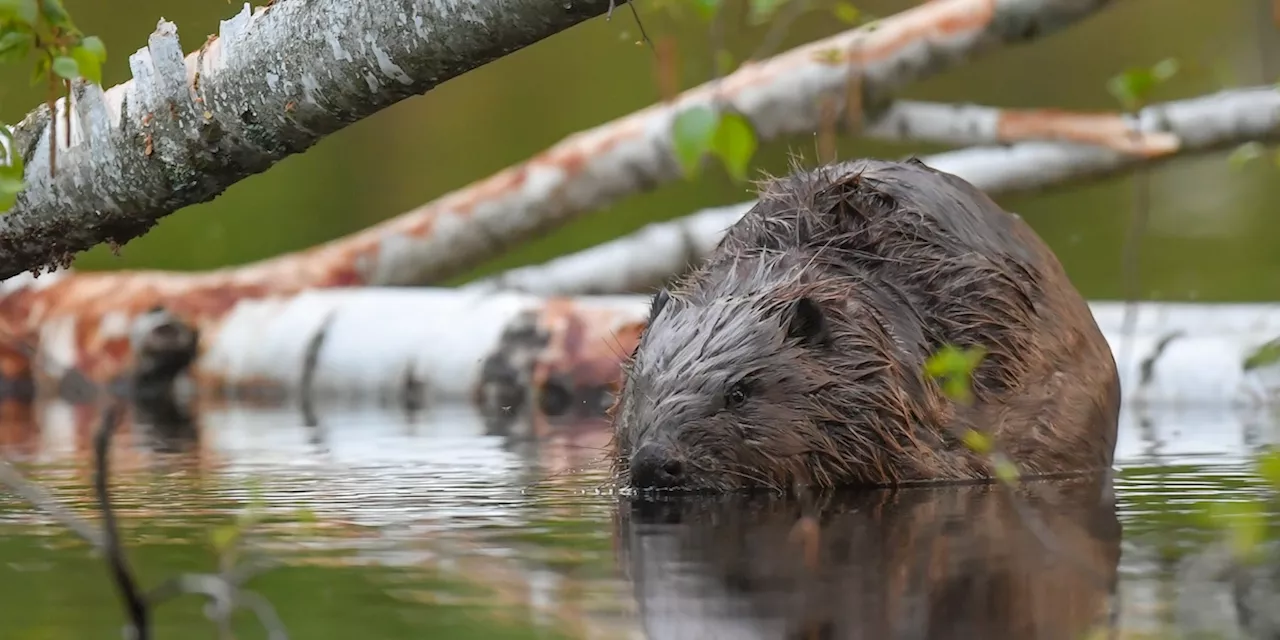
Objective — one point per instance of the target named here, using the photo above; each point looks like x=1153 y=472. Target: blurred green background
x=1211 y=235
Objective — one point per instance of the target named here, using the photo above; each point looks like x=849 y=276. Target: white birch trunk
x=367 y=344
x=647 y=258
x=273 y=83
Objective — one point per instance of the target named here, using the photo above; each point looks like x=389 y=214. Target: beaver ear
x=807 y=322
x=659 y=301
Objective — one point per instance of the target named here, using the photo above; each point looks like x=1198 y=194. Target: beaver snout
x=655 y=466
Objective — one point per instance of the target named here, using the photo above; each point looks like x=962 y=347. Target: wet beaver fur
x=794 y=354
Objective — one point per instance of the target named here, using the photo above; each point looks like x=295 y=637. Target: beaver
x=794 y=354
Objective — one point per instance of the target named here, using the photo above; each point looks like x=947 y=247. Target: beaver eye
x=736 y=396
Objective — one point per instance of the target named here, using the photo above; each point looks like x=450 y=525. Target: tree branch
x=271 y=84
x=591 y=169
x=1190 y=127
x=964 y=125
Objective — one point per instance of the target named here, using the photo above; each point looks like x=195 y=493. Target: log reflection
x=945 y=563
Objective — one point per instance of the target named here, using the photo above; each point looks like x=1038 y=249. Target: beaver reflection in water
x=795 y=353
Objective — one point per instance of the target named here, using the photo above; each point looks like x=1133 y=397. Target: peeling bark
x=271 y=84
x=531 y=363
x=573 y=347
x=648 y=257
x=963 y=125
x=631 y=264
x=594 y=168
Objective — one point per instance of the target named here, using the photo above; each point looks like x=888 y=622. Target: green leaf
x=847 y=13
x=977 y=441
x=1133 y=87
x=954 y=367
x=950 y=360
x=94 y=45
x=9 y=190
x=89 y=64
x=1266 y=354
x=692 y=132
x=735 y=142
x=23 y=11
x=66 y=67
x=15 y=45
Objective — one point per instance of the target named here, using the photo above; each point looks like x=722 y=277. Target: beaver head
x=754 y=383
x=795 y=353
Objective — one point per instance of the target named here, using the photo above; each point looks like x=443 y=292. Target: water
x=383 y=525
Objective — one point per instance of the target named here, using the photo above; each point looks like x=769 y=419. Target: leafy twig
x=954 y=367
x=63 y=54
x=1132 y=89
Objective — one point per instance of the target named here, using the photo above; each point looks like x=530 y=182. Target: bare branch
x=135 y=605
x=632 y=263
x=41 y=499
x=591 y=169
x=965 y=125
x=1193 y=126
x=272 y=84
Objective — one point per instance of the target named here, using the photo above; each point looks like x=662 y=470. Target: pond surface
x=380 y=525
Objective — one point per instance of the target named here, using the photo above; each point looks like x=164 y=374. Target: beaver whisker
x=762 y=481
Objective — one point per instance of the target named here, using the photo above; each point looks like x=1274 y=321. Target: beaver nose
x=653 y=466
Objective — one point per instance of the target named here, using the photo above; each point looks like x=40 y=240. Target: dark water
x=382 y=526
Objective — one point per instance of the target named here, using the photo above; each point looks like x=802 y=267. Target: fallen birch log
x=271 y=84
x=515 y=355
x=646 y=258
x=88 y=314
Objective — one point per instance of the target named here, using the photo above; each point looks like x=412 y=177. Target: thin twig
x=1132 y=267
x=33 y=493
x=134 y=603
x=779 y=29
x=226 y=596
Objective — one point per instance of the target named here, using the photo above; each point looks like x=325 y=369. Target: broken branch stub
x=271 y=84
